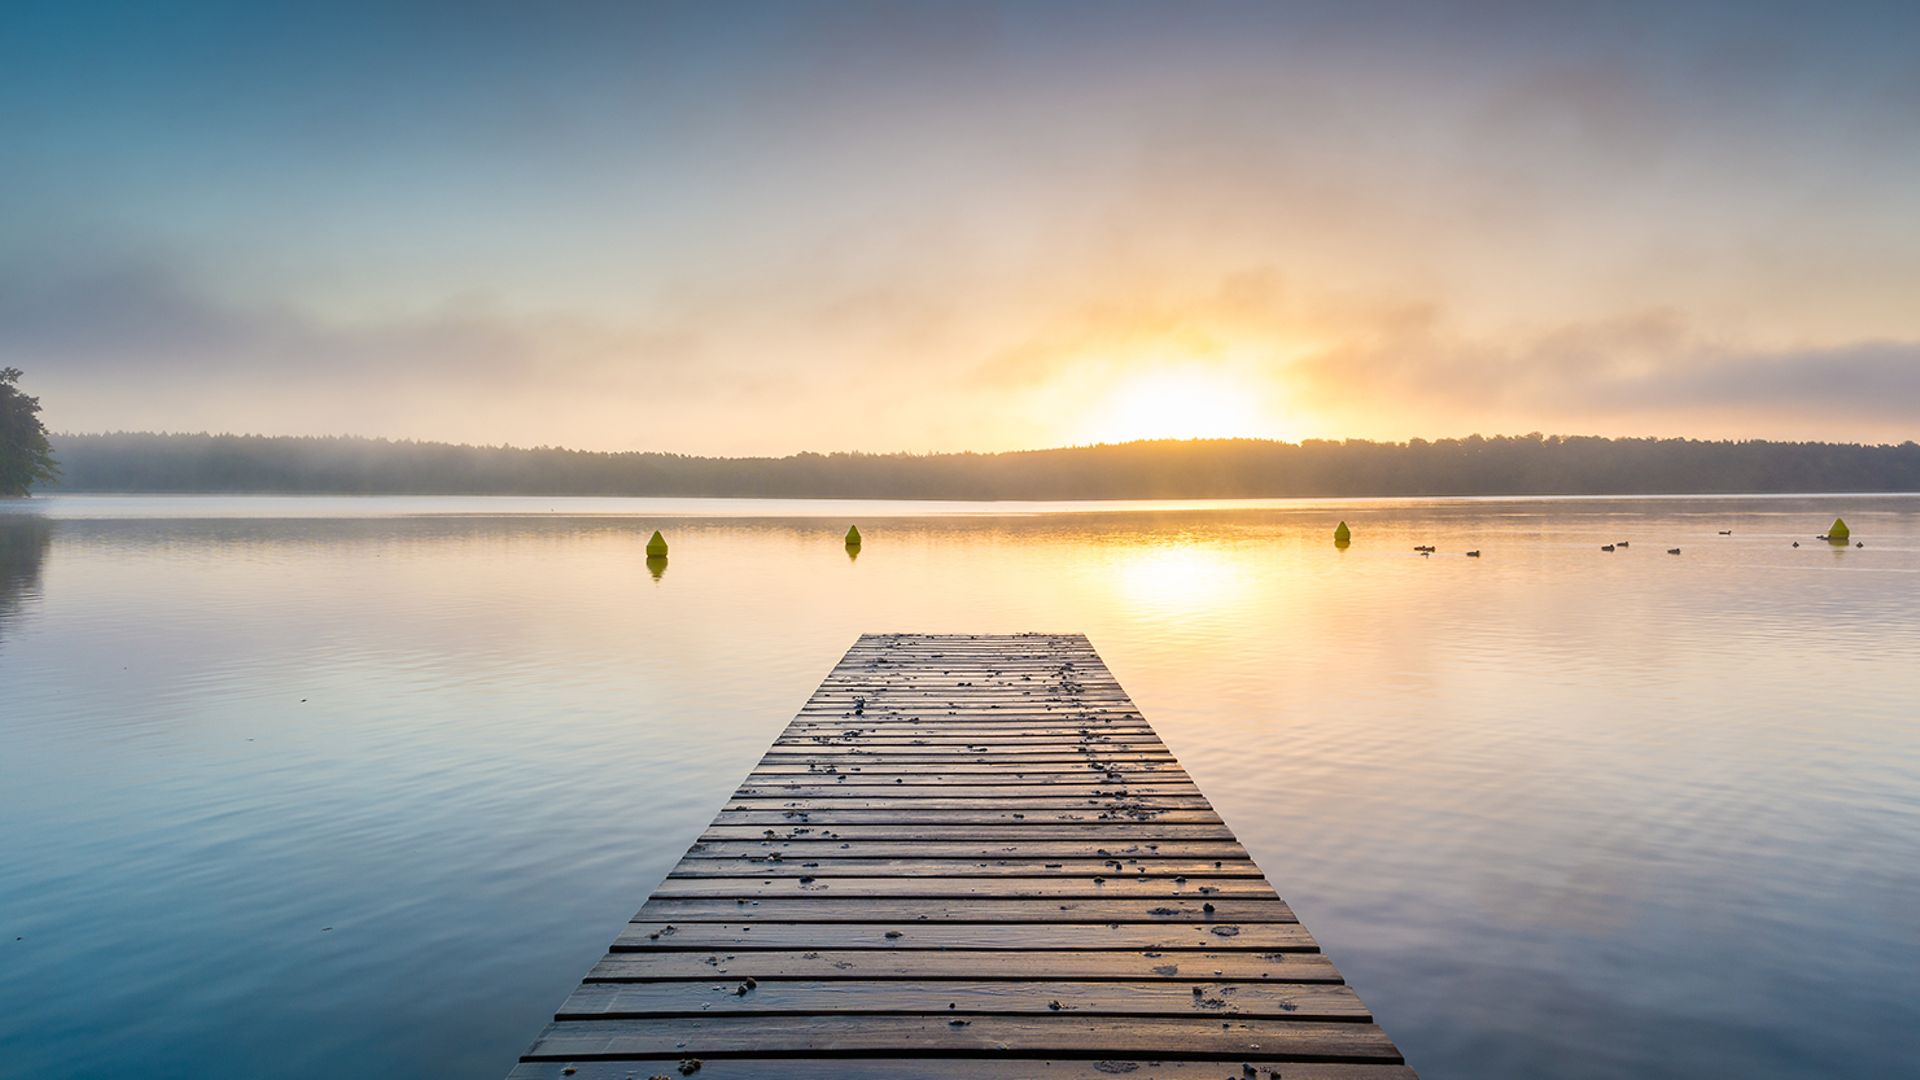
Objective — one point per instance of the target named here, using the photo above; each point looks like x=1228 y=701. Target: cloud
x=1362 y=363
x=1632 y=373
x=770 y=362
x=131 y=344
x=1870 y=378
x=895 y=357
x=125 y=318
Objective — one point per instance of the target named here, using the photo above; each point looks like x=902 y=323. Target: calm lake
x=318 y=787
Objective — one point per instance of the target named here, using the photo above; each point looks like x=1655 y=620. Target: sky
x=766 y=228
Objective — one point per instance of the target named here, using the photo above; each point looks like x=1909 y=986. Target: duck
x=1606 y=547
x=1796 y=543
x=1620 y=543
x=1474 y=554
x=1726 y=532
x=1673 y=551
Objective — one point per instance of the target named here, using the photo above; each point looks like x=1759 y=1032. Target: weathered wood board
x=967 y=857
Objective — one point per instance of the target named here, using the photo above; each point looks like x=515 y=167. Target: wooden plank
x=854 y=909
x=818 y=758
x=968 y=702
x=1083 y=937
x=856 y=867
x=865 y=812
x=1186 y=1037
x=952 y=740
x=1015 y=743
x=1094 y=784
x=951 y=733
x=948 y=1068
x=1028 y=713
x=1079 y=721
x=964 y=738
x=967 y=856
x=1050 y=761
x=963 y=780
x=1157 y=997
x=933 y=710
x=1118 y=886
x=997 y=752
x=827 y=755
x=981 y=765
x=972 y=769
x=645 y=963
x=928 y=709
x=1105 y=780
x=966 y=795
x=874 y=811
x=1010 y=787
x=940 y=785
x=871 y=688
x=1105 y=833
x=805 y=848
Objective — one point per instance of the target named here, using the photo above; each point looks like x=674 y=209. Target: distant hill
x=1205 y=468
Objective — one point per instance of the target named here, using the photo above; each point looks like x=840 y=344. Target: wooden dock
x=967 y=856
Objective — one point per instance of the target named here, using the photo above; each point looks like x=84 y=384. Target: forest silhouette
x=1204 y=468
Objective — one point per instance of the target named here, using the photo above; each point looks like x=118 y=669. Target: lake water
x=361 y=787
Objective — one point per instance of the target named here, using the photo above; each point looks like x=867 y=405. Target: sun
x=1188 y=401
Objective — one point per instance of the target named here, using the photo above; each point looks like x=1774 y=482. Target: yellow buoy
x=1839 y=533
x=1342 y=534
x=657 y=547
x=853 y=536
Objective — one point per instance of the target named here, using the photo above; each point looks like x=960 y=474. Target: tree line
x=25 y=456
x=1532 y=464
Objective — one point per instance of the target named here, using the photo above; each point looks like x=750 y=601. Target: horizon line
x=1532 y=436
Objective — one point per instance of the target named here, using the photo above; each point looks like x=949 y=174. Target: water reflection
x=25 y=540
x=1501 y=791
x=1169 y=581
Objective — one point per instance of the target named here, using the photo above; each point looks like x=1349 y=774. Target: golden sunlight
x=1191 y=401
x=1174 y=581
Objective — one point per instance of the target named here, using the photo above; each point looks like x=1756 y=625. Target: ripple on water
x=1554 y=811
